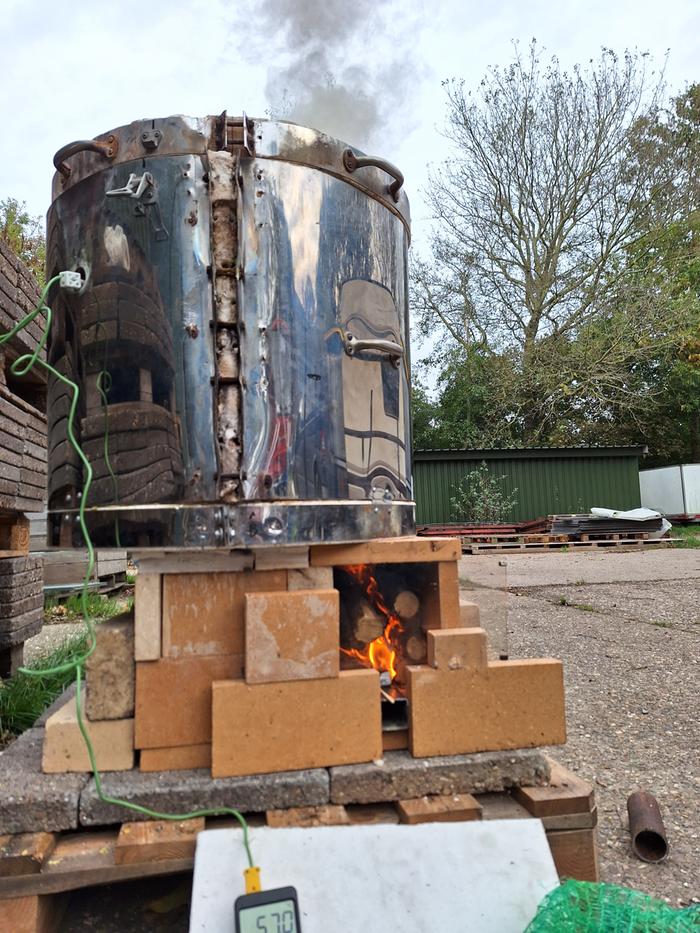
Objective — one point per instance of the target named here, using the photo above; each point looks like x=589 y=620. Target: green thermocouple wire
x=20 y=367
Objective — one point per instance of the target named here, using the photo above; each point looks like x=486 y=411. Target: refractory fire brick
x=179 y=758
x=441 y=599
x=508 y=704
x=310 y=578
x=147 y=616
x=291 y=636
x=450 y=649
x=173 y=699
x=65 y=750
x=387 y=551
x=259 y=728
x=203 y=613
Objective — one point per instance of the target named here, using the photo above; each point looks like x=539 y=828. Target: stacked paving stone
x=21 y=608
x=22 y=465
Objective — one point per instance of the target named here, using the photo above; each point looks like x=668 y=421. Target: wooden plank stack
x=22 y=465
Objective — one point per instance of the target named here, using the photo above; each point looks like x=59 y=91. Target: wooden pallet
x=37 y=869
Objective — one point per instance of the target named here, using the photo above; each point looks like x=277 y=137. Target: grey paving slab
x=399 y=776
x=29 y=800
x=185 y=791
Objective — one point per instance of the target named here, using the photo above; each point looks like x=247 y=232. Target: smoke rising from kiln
x=344 y=68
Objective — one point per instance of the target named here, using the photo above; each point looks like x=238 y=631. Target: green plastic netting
x=584 y=907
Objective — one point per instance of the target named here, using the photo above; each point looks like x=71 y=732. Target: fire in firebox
x=382 y=617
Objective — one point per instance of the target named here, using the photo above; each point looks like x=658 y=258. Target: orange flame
x=380 y=653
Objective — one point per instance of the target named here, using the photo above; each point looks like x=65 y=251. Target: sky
x=76 y=69
x=73 y=70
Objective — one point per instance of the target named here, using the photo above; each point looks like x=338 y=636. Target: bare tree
x=535 y=215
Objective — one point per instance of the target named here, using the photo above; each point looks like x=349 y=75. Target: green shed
x=548 y=480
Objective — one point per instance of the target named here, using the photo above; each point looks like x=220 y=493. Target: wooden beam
x=565 y=793
x=24 y=853
x=157 y=841
x=448 y=808
x=32 y=914
x=325 y=815
x=575 y=853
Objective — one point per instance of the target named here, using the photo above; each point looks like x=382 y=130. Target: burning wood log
x=367 y=623
x=406 y=604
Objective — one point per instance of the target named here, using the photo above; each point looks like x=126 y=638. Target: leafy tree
x=472 y=406
x=536 y=214
x=24 y=234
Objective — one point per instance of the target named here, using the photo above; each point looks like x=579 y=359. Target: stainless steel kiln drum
x=318 y=368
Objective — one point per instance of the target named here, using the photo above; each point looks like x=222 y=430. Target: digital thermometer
x=274 y=911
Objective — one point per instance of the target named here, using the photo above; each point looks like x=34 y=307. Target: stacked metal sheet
x=586 y=524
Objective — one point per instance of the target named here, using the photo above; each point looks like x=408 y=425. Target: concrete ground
x=627 y=627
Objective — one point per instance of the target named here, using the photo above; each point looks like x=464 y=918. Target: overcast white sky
x=76 y=68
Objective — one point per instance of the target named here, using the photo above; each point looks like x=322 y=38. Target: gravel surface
x=595 y=566
x=49 y=638
x=631 y=664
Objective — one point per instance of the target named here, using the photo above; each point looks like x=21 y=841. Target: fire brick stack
x=239 y=664
x=22 y=466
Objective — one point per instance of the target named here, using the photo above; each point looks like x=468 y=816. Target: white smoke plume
x=345 y=68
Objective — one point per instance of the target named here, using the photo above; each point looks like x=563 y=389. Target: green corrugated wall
x=544 y=485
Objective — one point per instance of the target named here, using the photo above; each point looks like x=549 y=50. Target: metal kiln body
x=240 y=342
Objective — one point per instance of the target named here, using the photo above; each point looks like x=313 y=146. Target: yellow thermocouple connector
x=252 y=880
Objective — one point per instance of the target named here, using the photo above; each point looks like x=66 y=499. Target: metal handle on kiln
x=393 y=350
x=108 y=148
x=353 y=162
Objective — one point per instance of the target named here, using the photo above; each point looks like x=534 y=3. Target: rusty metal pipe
x=647 y=829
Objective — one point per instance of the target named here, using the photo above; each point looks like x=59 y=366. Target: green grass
x=99 y=607
x=24 y=698
x=689 y=535
x=584 y=607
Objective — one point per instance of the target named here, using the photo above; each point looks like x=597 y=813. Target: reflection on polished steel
x=240 y=342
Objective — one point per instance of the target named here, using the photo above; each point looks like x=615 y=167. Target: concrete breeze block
x=111 y=671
